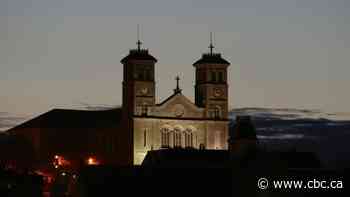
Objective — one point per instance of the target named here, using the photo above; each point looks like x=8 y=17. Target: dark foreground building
x=203 y=173
x=14 y=184
x=191 y=172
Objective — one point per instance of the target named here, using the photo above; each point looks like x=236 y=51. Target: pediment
x=179 y=106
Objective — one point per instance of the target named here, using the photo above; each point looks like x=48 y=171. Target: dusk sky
x=66 y=53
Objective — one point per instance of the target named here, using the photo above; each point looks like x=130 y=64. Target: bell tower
x=138 y=96
x=211 y=88
x=139 y=82
x=211 y=93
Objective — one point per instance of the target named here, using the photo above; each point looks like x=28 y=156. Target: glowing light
x=60 y=161
x=63 y=174
x=74 y=176
x=92 y=161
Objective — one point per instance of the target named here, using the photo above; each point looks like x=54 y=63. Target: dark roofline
x=167 y=99
x=211 y=58
x=136 y=54
x=41 y=116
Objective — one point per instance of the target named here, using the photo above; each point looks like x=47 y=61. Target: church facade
x=177 y=122
x=122 y=136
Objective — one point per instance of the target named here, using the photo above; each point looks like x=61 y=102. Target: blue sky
x=284 y=53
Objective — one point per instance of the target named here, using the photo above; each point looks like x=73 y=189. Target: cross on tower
x=139 y=43
x=177 y=90
x=211 y=46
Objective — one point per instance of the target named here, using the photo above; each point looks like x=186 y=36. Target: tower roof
x=138 y=54
x=211 y=58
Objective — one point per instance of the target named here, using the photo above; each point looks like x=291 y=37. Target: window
x=165 y=138
x=141 y=75
x=213 y=76
x=148 y=74
x=217 y=112
x=177 y=138
x=144 y=110
x=189 y=139
x=221 y=77
x=138 y=110
x=201 y=76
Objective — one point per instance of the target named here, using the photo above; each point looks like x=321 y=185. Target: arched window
x=177 y=137
x=188 y=139
x=165 y=138
x=217 y=112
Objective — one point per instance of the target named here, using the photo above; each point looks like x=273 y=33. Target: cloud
x=289 y=114
x=285 y=124
x=7 y=121
x=96 y=107
x=281 y=136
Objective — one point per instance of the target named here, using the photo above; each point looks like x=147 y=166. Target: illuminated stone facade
x=176 y=122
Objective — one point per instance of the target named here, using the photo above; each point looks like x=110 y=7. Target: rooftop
x=211 y=58
x=138 y=54
x=67 y=118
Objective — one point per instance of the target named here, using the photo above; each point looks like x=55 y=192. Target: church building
x=125 y=135
x=177 y=122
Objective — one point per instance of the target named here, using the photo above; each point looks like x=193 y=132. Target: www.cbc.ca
x=264 y=184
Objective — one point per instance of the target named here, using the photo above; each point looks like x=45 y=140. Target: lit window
x=188 y=139
x=177 y=138
x=217 y=112
x=165 y=138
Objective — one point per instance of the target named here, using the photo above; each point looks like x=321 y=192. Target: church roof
x=136 y=54
x=211 y=58
x=66 y=118
x=169 y=98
